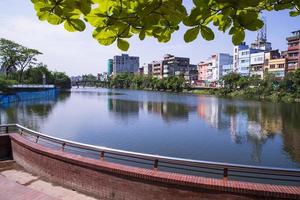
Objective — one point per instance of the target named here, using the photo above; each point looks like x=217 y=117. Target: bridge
x=92 y=83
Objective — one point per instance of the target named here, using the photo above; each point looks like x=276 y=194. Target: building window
x=281 y=66
x=272 y=66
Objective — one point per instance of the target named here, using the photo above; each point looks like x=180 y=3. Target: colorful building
x=275 y=63
x=293 y=52
x=212 y=70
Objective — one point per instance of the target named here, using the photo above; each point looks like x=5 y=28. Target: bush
x=4 y=84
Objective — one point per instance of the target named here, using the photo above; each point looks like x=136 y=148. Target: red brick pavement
x=10 y=190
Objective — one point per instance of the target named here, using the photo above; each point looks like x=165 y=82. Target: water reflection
x=168 y=111
x=31 y=113
x=195 y=127
x=248 y=122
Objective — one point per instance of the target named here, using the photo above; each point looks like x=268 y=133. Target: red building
x=293 y=52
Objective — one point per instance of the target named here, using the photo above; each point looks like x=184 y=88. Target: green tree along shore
x=174 y=83
x=19 y=65
x=233 y=85
x=270 y=88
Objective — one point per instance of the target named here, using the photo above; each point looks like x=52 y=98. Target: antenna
x=262 y=33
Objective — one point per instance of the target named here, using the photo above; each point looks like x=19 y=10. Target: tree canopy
x=118 y=20
x=14 y=56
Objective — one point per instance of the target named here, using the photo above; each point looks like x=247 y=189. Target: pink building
x=202 y=72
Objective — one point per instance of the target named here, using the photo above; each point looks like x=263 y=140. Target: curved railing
x=218 y=169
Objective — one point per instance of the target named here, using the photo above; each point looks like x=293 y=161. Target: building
x=257 y=64
x=236 y=50
x=141 y=70
x=175 y=66
x=157 y=69
x=192 y=74
x=147 y=69
x=212 y=70
x=227 y=69
x=293 y=52
x=110 y=66
x=275 y=63
x=203 y=72
x=244 y=61
x=171 y=66
x=126 y=64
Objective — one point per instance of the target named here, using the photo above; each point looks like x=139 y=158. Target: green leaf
x=73 y=25
x=142 y=35
x=122 y=44
x=294 y=13
x=191 y=34
x=54 y=19
x=238 y=37
x=207 y=33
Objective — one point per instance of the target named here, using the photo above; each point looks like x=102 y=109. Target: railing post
x=63 y=146
x=37 y=139
x=102 y=155
x=225 y=173
x=156 y=164
x=6 y=129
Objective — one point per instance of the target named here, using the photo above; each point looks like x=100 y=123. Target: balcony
x=292 y=48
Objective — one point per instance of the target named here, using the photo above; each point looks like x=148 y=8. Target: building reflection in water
x=168 y=111
x=248 y=122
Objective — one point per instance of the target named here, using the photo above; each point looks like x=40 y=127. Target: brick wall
x=5 y=147
x=111 y=181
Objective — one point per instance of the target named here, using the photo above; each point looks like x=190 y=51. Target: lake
x=179 y=125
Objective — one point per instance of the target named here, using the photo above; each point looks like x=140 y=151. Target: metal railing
x=223 y=170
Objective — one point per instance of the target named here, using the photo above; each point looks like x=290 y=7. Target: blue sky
x=79 y=53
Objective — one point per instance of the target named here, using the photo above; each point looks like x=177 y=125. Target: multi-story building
x=175 y=66
x=192 y=74
x=293 y=52
x=147 y=69
x=244 y=61
x=257 y=64
x=227 y=69
x=126 y=64
x=203 y=72
x=170 y=66
x=157 y=69
x=110 y=63
x=275 y=63
x=212 y=70
x=236 y=50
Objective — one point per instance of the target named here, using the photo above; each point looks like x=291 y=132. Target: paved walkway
x=17 y=184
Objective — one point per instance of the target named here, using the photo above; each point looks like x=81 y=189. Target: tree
x=34 y=75
x=61 y=80
x=8 y=54
x=230 y=81
x=25 y=58
x=15 y=56
x=118 y=20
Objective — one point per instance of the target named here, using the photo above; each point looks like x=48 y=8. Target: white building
x=257 y=64
x=236 y=50
x=147 y=68
x=126 y=64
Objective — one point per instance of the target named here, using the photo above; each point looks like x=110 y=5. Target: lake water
x=178 y=125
